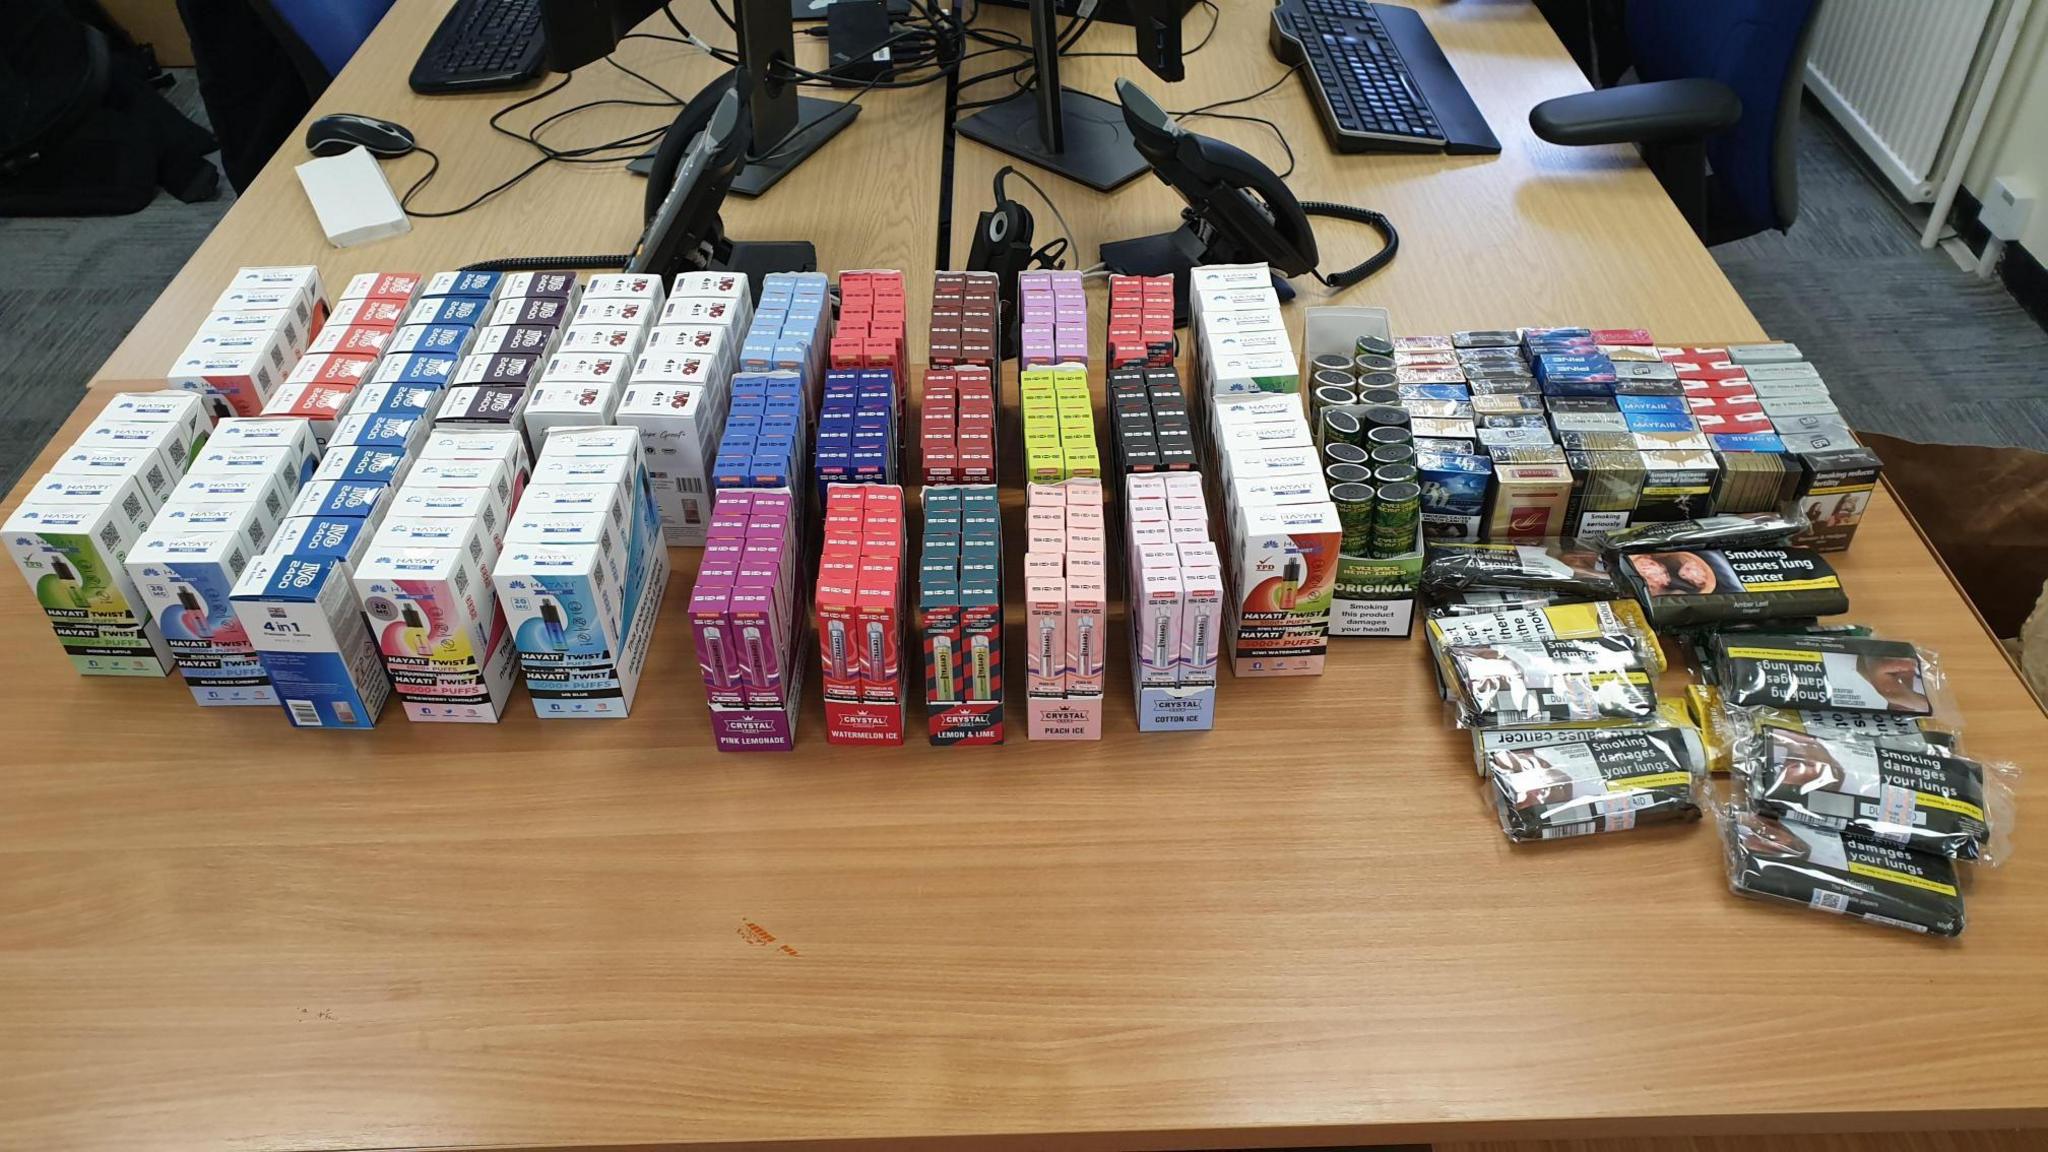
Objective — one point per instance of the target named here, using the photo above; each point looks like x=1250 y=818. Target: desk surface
x=1301 y=928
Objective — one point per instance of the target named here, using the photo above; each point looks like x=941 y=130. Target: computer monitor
x=787 y=126
x=1079 y=136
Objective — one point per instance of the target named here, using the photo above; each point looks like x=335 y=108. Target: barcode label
x=236 y=563
x=178 y=448
x=1825 y=901
x=132 y=507
x=111 y=537
x=303 y=713
x=274 y=503
x=461 y=581
x=1567 y=831
x=256 y=533
x=155 y=479
x=344 y=712
x=689 y=484
x=691 y=516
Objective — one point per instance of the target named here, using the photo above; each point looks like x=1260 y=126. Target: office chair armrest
x=1659 y=112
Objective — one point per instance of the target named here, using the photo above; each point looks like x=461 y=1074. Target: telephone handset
x=1238 y=210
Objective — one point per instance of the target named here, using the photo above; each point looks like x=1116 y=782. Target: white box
x=480 y=444
x=307 y=313
x=679 y=428
x=638 y=313
x=390 y=431
x=319 y=405
x=295 y=435
x=261 y=491
x=303 y=617
x=552 y=406
x=120 y=491
x=144 y=464
x=586 y=368
x=241 y=369
x=359 y=499
x=73 y=555
x=598 y=339
x=172 y=446
x=184 y=572
x=643 y=286
x=174 y=406
x=302 y=280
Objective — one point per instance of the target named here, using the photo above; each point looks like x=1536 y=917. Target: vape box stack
x=263 y=322
x=1240 y=341
x=582 y=572
x=679 y=392
x=790 y=329
x=763 y=442
x=1364 y=420
x=1781 y=441
x=1154 y=432
x=229 y=508
x=857 y=428
x=957 y=418
x=960 y=614
x=1140 y=328
x=473 y=316
x=872 y=331
x=581 y=381
x=1282 y=535
x=77 y=525
x=298 y=601
x=748 y=616
x=1066 y=595
x=1058 y=412
x=1052 y=319
x=1147 y=409
x=966 y=320
x=860 y=614
x=1176 y=601
x=425 y=581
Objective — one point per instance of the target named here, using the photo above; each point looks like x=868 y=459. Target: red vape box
x=1638 y=337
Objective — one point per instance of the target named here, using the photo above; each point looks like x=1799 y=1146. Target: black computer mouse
x=335 y=134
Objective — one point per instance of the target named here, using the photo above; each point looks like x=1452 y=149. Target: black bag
x=82 y=133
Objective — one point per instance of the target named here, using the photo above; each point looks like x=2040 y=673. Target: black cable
x=1371 y=219
x=550 y=263
x=1239 y=99
x=1215 y=18
x=1277 y=133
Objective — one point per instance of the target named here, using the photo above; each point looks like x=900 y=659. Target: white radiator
x=1893 y=73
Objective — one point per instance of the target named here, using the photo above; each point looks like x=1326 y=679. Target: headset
x=1003 y=235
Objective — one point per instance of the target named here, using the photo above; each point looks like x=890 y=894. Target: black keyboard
x=481 y=46
x=1378 y=79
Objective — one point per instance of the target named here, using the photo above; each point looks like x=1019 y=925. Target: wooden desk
x=1300 y=929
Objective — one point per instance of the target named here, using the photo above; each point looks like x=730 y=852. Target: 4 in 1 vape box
x=73 y=554
x=302 y=616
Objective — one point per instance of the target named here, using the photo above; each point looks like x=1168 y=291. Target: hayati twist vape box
x=1234 y=315
x=1282 y=567
x=1065 y=579
x=1176 y=596
x=960 y=608
x=583 y=633
x=860 y=614
x=71 y=546
x=747 y=616
x=303 y=618
x=185 y=568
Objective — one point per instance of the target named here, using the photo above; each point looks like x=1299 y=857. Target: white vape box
x=306 y=623
x=241 y=368
x=144 y=464
x=73 y=555
x=172 y=447
x=553 y=406
x=295 y=435
x=185 y=575
x=679 y=428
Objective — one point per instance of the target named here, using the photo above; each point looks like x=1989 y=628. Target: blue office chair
x=320 y=35
x=1714 y=108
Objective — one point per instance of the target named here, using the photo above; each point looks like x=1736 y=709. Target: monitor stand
x=1079 y=136
x=1095 y=146
x=1174 y=254
x=817 y=121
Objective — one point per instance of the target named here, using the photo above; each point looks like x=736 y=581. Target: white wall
x=2015 y=140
